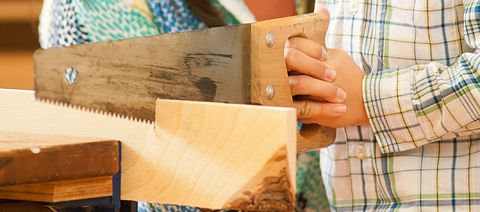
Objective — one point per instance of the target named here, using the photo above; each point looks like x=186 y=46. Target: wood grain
x=32 y=158
x=209 y=155
x=59 y=191
x=253 y=146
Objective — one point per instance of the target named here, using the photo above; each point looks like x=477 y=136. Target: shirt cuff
x=387 y=96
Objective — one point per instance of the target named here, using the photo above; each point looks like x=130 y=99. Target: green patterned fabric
x=71 y=22
x=226 y=15
x=120 y=22
x=310 y=190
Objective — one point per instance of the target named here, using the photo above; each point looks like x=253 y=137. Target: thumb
x=322 y=10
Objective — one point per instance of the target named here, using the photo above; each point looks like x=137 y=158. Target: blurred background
x=18 y=40
x=19 y=33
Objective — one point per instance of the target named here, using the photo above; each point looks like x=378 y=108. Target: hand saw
x=236 y=64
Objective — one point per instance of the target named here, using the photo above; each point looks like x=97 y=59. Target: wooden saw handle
x=269 y=75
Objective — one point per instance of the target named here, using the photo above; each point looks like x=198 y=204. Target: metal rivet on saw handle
x=71 y=75
x=270 y=39
x=270 y=91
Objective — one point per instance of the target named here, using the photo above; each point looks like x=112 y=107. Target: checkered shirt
x=421 y=151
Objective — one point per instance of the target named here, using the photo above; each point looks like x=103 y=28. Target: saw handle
x=270 y=75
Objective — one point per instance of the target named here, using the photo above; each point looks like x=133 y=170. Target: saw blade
x=125 y=77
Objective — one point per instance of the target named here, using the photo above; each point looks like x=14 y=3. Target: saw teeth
x=91 y=110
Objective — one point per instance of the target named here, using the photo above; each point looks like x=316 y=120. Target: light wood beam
x=209 y=155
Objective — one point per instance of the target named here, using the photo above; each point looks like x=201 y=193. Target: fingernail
x=324 y=54
x=330 y=74
x=340 y=109
x=341 y=95
x=292 y=82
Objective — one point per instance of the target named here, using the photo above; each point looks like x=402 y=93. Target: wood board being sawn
x=209 y=155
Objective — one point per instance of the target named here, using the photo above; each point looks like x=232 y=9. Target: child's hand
x=328 y=90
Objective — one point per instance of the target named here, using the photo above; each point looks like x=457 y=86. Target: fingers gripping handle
x=269 y=76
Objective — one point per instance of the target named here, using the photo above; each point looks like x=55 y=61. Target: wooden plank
x=31 y=158
x=220 y=148
x=60 y=191
x=209 y=155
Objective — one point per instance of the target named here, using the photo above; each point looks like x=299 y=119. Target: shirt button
x=353 y=5
x=359 y=151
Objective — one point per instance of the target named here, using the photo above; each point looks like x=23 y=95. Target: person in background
x=71 y=22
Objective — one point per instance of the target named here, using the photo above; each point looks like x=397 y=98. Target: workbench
x=53 y=171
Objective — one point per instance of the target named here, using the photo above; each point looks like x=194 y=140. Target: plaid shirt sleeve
x=411 y=107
